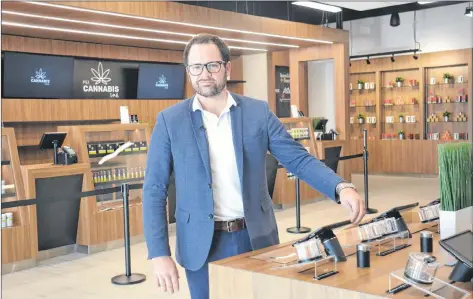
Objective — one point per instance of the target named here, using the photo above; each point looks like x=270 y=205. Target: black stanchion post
x=365 y=173
x=128 y=277
x=298 y=229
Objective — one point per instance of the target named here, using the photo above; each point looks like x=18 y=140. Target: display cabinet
x=446 y=103
x=18 y=223
x=362 y=105
x=101 y=216
x=301 y=129
x=400 y=105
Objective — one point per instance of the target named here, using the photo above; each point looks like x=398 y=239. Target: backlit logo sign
x=40 y=77
x=162 y=82
x=101 y=79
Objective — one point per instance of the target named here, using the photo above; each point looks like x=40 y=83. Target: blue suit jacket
x=179 y=144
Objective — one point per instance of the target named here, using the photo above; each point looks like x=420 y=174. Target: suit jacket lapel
x=237 y=130
x=201 y=138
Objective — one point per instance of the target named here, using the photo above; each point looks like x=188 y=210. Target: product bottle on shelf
x=141 y=172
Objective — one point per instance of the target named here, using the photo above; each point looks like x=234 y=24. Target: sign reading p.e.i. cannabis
x=94 y=79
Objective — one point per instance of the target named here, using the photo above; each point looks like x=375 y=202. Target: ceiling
x=63 y=23
x=284 y=10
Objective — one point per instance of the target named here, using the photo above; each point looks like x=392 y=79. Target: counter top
x=255 y=275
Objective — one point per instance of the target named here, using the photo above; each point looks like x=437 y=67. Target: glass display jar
x=421 y=268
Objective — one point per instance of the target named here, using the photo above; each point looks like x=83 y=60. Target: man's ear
x=228 y=67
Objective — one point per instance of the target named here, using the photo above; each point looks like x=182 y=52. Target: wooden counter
x=254 y=276
x=344 y=168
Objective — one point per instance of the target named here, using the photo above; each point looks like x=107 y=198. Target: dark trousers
x=224 y=245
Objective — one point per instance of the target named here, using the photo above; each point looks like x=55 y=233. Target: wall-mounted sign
x=161 y=81
x=37 y=76
x=102 y=79
x=283 y=92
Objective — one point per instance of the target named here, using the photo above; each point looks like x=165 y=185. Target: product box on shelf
x=101 y=149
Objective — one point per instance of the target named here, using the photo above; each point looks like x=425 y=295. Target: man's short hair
x=205 y=38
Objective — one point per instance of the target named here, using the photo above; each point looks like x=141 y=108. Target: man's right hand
x=166 y=275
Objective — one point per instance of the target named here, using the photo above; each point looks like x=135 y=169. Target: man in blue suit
x=216 y=144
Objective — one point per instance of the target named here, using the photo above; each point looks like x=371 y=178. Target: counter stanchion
x=365 y=173
x=298 y=229
x=128 y=277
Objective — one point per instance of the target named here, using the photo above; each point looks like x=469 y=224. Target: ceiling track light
x=368 y=60
x=395 y=20
x=392 y=58
x=469 y=11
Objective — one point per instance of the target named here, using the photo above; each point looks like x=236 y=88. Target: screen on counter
x=161 y=81
x=461 y=246
x=37 y=76
x=103 y=79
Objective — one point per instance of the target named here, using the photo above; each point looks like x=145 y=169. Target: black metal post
x=298 y=229
x=365 y=173
x=128 y=277
x=55 y=146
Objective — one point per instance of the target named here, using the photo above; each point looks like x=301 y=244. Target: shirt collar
x=230 y=102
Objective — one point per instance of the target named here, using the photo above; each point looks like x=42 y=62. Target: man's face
x=205 y=83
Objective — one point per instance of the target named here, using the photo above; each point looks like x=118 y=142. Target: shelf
x=442 y=122
x=121 y=154
x=446 y=103
x=445 y=84
x=8 y=195
x=356 y=89
x=357 y=106
x=116 y=182
x=391 y=105
x=64 y=122
x=407 y=123
x=400 y=88
x=303 y=138
x=364 y=124
x=5 y=163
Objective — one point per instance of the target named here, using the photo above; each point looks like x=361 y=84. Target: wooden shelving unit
x=363 y=101
x=285 y=187
x=101 y=217
x=449 y=96
x=18 y=241
x=397 y=101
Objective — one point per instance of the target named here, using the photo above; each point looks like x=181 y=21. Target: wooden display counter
x=254 y=275
x=101 y=218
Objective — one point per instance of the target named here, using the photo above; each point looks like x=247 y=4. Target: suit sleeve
x=158 y=170
x=295 y=158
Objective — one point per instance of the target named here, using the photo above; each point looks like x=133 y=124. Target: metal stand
x=128 y=277
x=298 y=229
x=365 y=173
x=55 y=147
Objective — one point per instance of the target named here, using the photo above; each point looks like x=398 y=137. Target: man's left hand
x=351 y=200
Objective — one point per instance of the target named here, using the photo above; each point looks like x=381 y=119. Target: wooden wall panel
x=280 y=58
x=298 y=64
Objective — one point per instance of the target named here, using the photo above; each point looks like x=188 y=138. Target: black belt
x=230 y=226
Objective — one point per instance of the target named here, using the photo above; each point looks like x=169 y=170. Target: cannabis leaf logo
x=100 y=76
x=162 y=79
x=40 y=75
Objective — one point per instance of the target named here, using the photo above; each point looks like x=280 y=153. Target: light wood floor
x=81 y=276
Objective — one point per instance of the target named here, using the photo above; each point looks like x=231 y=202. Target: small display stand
x=325 y=267
x=391 y=244
x=438 y=289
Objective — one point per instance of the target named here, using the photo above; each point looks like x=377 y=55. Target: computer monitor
x=320 y=125
x=52 y=140
x=461 y=247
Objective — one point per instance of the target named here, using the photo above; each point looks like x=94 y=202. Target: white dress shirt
x=228 y=200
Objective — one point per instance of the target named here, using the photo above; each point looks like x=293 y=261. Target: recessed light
x=319 y=6
x=13 y=24
x=174 y=22
x=425 y=2
x=138 y=28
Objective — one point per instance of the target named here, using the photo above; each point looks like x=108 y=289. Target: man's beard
x=213 y=90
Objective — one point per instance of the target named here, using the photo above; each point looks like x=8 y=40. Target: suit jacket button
x=211 y=216
x=210 y=186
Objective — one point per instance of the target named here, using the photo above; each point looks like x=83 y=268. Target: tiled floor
x=81 y=276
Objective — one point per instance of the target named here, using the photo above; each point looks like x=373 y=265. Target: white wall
x=321 y=91
x=438 y=29
x=255 y=73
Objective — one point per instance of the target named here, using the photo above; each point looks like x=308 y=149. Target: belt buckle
x=229 y=224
